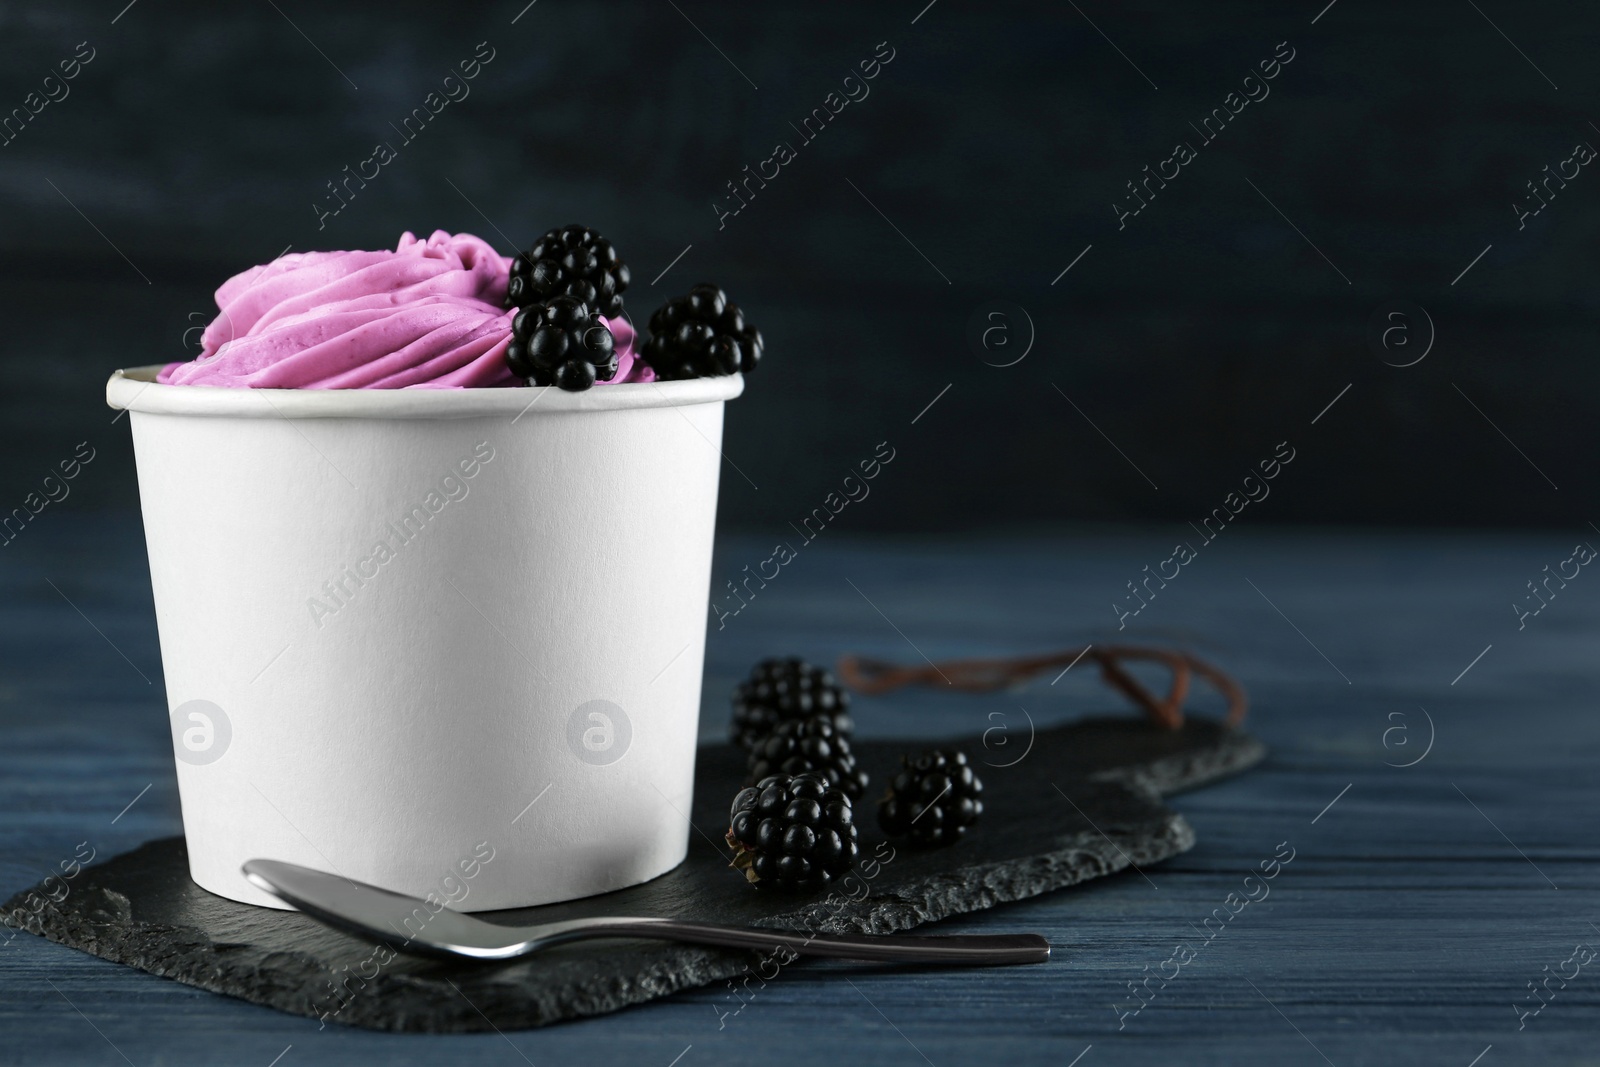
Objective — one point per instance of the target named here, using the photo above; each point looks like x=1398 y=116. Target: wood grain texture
x=1404 y=930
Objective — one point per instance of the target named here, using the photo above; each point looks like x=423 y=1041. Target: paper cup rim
x=136 y=389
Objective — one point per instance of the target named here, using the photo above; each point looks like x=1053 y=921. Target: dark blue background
x=996 y=141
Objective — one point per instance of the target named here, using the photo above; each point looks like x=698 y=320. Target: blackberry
x=572 y=261
x=809 y=746
x=561 y=343
x=792 y=832
x=782 y=689
x=700 y=336
x=933 y=799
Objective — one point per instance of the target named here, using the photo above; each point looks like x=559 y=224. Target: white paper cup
x=500 y=706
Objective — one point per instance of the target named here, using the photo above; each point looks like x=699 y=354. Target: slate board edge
x=205 y=965
x=1189 y=770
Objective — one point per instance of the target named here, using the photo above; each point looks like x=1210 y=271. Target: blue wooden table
x=1421 y=904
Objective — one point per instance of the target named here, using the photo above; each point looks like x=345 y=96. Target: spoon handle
x=977 y=950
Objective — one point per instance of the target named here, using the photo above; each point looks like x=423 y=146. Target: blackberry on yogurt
x=701 y=335
x=561 y=343
x=575 y=261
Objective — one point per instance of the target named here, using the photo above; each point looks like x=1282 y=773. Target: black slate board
x=1083 y=803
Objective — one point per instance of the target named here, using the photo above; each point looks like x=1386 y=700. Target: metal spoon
x=380 y=915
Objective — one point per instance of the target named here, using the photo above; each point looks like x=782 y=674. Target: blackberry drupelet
x=561 y=343
x=701 y=335
x=809 y=746
x=573 y=261
x=779 y=690
x=792 y=832
x=933 y=799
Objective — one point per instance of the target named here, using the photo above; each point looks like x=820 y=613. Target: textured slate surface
x=1078 y=803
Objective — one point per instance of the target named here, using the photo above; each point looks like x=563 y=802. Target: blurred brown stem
x=872 y=676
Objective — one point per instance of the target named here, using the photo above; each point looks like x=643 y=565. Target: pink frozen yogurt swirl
x=426 y=315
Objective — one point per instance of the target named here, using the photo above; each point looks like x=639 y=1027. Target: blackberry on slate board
x=792 y=832
x=933 y=799
x=573 y=261
x=779 y=690
x=561 y=343
x=700 y=336
x=809 y=746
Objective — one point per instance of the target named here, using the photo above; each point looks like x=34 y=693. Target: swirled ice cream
x=427 y=315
